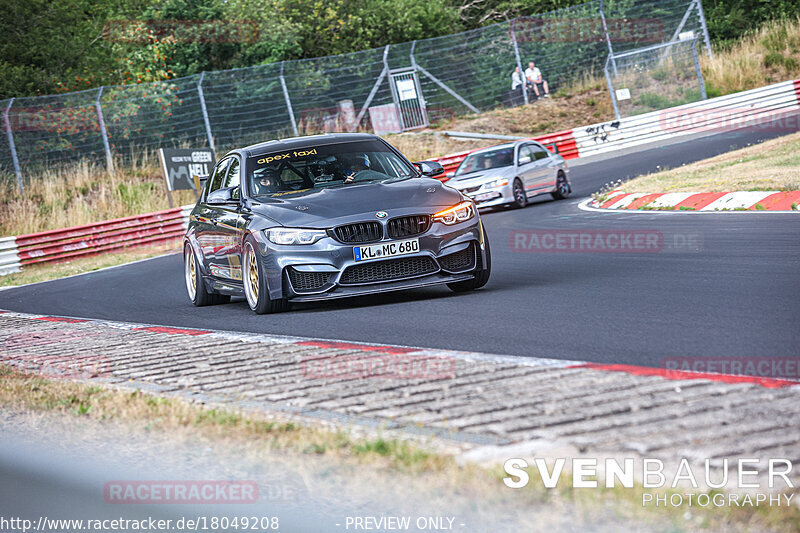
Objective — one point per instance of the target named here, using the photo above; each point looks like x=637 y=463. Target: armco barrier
x=91 y=239
x=765 y=107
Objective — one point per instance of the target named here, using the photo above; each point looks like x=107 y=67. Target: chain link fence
x=397 y=87
x=656 y=77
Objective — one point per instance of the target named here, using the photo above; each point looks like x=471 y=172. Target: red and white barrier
x=701 y=201
x=91 y=239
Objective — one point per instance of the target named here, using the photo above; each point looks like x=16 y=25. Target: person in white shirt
x=518 y=84
x=516 y=79
x=534 y=77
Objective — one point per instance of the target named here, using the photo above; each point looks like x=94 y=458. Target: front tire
x=194 y=281
x=520 y=195
x=256 y=290
x=481 y=274
x=562 y=187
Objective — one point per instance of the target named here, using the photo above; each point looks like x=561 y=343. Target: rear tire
x=481 y=274
x=562 y=187
x=256 y=290
x=520 y=195
x=194 y=281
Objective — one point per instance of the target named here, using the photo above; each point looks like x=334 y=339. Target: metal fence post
x=12 y=147
x=205 y=111
x=519 y=61
x=699 y=70
x=423 y=106
x=702 y=17
x=375 y=87
x=608 y=39
x=611 y=90
x=288 y=102
x=103 y=132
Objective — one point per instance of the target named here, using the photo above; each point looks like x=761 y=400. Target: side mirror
x=222 y=196
x=524 y=159
x=429 y=168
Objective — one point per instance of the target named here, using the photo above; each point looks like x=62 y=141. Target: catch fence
x=394 y=88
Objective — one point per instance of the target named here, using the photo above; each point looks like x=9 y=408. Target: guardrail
x=92 y=239
x=765 y=106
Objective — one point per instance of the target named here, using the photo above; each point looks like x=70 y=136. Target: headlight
x=294 y=235
x=500 y=182
x=457 y=213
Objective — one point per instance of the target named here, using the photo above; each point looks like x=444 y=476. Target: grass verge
x=769 y=55
x=48 y=271
x=768 y=166
x=25 y=392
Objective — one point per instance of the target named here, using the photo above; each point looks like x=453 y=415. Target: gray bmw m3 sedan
x=328 y=216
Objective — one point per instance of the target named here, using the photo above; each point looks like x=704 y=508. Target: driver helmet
x=360 y=159
x=267 y=182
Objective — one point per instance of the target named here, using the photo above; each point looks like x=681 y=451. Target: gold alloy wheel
x=251 y=281
x=191 y=273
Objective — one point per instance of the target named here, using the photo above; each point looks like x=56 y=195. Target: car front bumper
x=495 y=196
x=328 y=270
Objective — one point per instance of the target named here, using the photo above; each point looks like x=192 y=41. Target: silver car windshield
x=323 y=166
x=486 y=160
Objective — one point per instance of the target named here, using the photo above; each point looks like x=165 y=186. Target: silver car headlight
x=499 y=182
x=453 y=215
x=288 y=236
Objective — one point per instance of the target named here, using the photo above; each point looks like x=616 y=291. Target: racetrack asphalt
x=732 y=291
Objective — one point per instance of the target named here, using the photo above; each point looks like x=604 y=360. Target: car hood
x=357 y=202
x=477 y=178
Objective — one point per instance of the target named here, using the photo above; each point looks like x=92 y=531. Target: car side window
x=539 y=152
x=233 y=177
x=218 y=178
x=524 y=155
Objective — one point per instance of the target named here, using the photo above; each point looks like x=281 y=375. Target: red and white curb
x=412 y=351
x=619 y=201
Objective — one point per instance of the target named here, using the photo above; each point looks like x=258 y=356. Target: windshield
x=331 y=165
x=500 y=157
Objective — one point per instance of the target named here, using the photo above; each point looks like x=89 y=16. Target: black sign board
x=180 y=165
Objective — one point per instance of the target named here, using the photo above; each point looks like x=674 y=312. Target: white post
x=103 y=132
x=205 y=111
x=288 y=103
x=12 y=147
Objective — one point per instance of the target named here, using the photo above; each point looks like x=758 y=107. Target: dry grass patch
x=586 y=102
x=81 y=265
x=770 y=55
x=773 y=165
x=176 y=417
x=84 y=193
x=21 y=391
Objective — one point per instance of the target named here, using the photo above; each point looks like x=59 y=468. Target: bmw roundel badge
x=381 y=214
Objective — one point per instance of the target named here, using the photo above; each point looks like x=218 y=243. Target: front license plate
x=383 y=250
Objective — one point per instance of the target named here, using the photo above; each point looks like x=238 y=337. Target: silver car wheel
x=520 y=198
